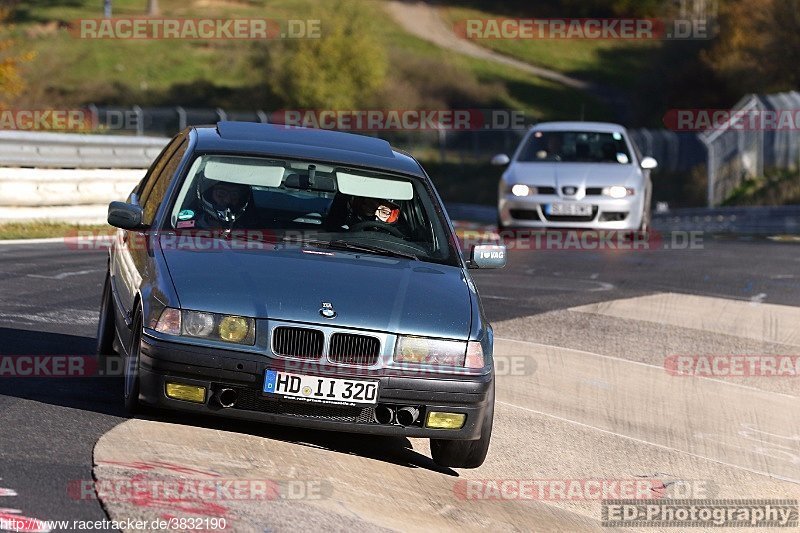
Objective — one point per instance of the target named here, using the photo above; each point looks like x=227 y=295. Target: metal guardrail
x=70 y=150
x=770 y=220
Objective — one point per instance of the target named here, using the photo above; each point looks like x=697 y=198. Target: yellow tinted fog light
x=438 y=420
x=234 y=329
x=187 y=393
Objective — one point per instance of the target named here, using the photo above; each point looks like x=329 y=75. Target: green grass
x=69 y=71
x=43 y=230
x=540 y=99
x=537 y=97
x=615 y=62
x=778 y=187
x=70 y=64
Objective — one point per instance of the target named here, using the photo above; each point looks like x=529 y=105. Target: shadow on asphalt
x=104 y=395
x=96 y=394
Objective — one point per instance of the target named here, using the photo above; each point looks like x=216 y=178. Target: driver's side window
x=161 y=176
x=147 y=183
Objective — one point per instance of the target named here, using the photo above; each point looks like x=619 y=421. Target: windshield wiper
x=373 y=249
x=340 y=244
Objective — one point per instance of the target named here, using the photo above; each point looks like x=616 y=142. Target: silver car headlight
x=214 y=326
x=618 y=191
x=522 y=190
x=439 y=352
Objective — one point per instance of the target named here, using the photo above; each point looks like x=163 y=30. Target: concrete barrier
x=29 y=187
x=69 y=177
x=71 y=214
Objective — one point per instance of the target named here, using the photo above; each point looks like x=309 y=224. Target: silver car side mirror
x=487 y=256
x=648 y=163
x=500 y=160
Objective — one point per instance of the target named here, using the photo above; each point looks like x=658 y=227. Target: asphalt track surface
x=593 y=401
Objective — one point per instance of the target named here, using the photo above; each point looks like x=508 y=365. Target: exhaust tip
x=384 y=414
x=227 y=397
x=407 y=415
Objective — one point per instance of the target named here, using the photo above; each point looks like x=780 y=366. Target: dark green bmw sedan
x=300 y=277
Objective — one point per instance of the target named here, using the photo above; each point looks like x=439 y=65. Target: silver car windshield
x=313 y=204
x=575 y=147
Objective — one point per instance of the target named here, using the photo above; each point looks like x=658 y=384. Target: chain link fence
x=762 y=139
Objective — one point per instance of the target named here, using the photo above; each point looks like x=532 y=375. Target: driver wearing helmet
x=224 y=204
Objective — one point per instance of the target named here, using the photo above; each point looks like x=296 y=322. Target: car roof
x=294 y=142
x=602 y=127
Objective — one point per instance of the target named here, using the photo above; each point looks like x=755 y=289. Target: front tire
x=131 y=374
x=466 y=453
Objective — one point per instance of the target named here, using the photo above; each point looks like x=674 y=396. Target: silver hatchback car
x=576 y=175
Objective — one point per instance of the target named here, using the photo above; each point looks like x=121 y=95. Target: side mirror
x=487 y=256
x=648 y=163
x=125 y=216
x=500 y=160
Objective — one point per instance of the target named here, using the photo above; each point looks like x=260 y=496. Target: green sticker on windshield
x=186 y=214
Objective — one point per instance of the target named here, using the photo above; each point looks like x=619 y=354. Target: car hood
x=575 y=174
x=367 y=291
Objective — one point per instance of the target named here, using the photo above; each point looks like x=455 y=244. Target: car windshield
x=313 y=204
x=575 y=147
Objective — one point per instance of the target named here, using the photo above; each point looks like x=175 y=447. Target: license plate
x=316 y=389
x=572 y=210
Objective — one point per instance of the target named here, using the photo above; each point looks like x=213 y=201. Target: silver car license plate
x=571 y=210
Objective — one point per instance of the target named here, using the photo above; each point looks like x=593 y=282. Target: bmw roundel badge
x=327 y=310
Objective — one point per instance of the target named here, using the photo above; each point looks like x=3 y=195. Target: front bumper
x=607 y=213
x=163 y=361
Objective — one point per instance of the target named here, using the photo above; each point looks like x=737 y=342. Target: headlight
x=197 y=324
x=169 y=322
x=234 y=329
x=617 y=191
x=438 y=352
x=522 y=190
